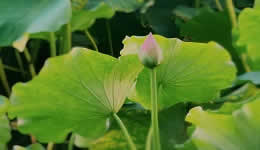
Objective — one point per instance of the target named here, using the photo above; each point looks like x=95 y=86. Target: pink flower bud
x=150 y=53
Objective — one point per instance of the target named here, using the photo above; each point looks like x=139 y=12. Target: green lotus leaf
x=253 y=77
x=84 y=18
x=189 y=71
x=30 y=16
x=172 y=129
x=234 y=100
x=78 y=4
x=214 y=131
x=162 y=10
x=185 y=13
x=257 y=4
x=209 y=25
x=137 y=124
x=117 y=5
x=249 y=36
x=87 y=14
x=76 y=92
x=240 y=93
x=5 y=135
x=197 y=29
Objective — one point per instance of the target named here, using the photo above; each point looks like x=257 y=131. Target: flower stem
x=125 y=132
x=218 y=4
x=20 y=62
x=10 y=68
x=109 y=35
x=4 y=78
x=67 y=39
x=29 y=60
x=71 y=142
x=244 y=62
x=148 y=144
x=232 y=13
x=233 y=19
x=52 y=41
x=91 y=40
x=154 y=115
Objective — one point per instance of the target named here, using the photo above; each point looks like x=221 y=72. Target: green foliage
x=249 y=36
x=162 y=9
x=80 y=93
x=252 y=77
x=210 y=25
x=4 y=123
x=201 y=28
x=226 y=131
x=257 y=4
x=84 y=17
x=30 y=16
x=172 y=127
x=76 y=92
x=118 y=5
x=184 y=72
x=137 y=122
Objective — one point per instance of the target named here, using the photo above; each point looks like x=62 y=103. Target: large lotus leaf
x=237 y=131
x=84 y=18
x=197 y=29
x=185 y=13
x=253 y=77
x=94 y=9
x=76 y=92
x=29 y=16
x=257 y=4
x=5 y=135
x=117 y=5
x=137 y=123
x=160 y=18
x=235 y=99
x=210 y=25
x=212 y=3
x=78 y=4
x=189 y=71
x=249 y=22
x=172 y=129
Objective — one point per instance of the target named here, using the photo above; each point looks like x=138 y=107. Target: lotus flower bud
x=150 y=53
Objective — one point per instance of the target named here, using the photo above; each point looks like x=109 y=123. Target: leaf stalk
x=90 y=37
x=20 y=62
x=218 y=4
x=232 y=13
x=125 y=132
x=29 y=60
x=52 y=40
x=233 y=19
x=148 y=144
x=4 y=78
x=154 y=114
x=67 y=39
